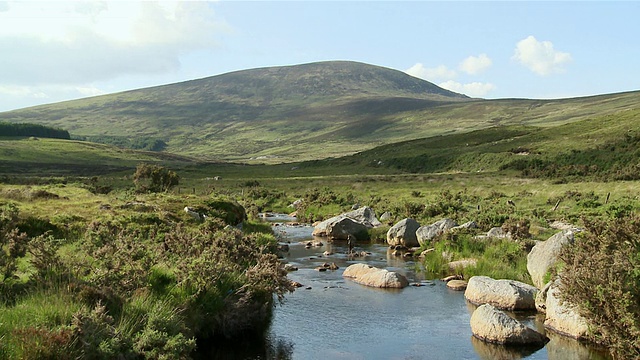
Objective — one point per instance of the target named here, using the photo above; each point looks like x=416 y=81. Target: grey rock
x=426 y=233
x=404 y=233
x=497 y=232
x=503 y=294
x=371 y=276
x=544 y=256
x=492 y=325
x=562 y=317
x=364 y=216
x=345 y=227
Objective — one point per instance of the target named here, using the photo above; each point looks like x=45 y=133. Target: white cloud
x=475 y=64
x=474 y=89
x=431 y=74
x=81 y=42
x=540 y=56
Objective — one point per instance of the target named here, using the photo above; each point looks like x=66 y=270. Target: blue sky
x=53 y=51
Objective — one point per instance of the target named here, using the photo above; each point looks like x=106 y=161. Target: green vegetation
x=140 y=143
x=31 y=130
x=125 y=275
x=602 y=276
x=154 y=178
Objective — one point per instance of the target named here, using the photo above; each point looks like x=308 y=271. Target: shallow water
x=334 y=318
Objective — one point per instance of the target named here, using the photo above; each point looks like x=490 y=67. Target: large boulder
x=503 y=294
x=404 y=233
x=544 y=256
x=342 y=228
x=364 y=216
x=371 y=276
x=426 y=233
x=562 y=317
x=494 y=326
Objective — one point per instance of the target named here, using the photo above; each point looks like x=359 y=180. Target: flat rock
x=457 y=285
x=371 y=276
x=461 y=264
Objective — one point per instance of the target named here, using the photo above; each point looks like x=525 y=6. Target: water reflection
x=487 y=351
x=251 y=347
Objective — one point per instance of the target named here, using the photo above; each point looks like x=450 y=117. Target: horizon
x=59 y=51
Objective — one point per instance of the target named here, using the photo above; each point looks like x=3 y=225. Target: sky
x=53 y=51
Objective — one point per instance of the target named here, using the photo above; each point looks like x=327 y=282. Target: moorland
x=99 y=258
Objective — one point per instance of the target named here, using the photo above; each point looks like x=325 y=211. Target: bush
x=154 y=178
x=602 y=278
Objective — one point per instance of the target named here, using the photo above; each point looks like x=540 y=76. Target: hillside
x=303 y=112
x=56 y=157
x=604 y=147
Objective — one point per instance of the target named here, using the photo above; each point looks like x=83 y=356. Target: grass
x=30 y=327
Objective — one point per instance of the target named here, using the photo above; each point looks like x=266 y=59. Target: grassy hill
x=303 y=112
x=57 y=157
x=605 y=147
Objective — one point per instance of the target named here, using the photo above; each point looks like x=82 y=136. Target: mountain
x=301 y=112
x=238 y=114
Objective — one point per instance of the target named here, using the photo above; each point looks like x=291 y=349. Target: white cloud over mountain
x=472 y=65
x=431 y=74
x=473 y=89
x=540 y=56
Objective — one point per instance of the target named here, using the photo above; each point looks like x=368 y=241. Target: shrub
x=518 y=228
x=602 y=278
x=154 y=178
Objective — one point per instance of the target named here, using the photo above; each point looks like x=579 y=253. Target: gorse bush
x=138 y=288
x=601 y=277
x=154 y=178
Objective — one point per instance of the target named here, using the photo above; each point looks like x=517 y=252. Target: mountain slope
x=302 y=112
x=251 y=108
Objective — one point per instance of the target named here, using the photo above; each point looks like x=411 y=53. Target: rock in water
x=404 y=233
x=503 y=294
x=457 y=285
x=364 y=217
x=371 y=276
x=562 y=317
x=492 y=325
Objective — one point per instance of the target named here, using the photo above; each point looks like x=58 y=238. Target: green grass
x=28 y=328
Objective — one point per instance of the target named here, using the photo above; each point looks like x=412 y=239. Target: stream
x=330 y=317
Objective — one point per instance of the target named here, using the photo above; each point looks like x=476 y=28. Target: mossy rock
x=225 y=209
